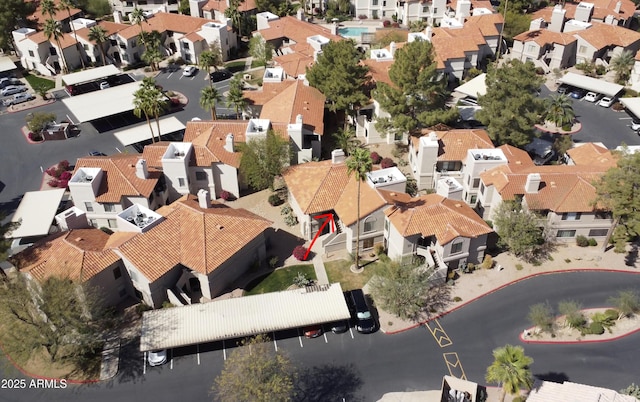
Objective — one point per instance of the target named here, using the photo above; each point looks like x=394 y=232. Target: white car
x=189 y=71
x=635 y=126
x=157 y=357
x=12 y=89
x=591 y=97
x=104 y=85
x=607 y=101
x=19 y=98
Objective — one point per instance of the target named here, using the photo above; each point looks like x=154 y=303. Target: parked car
x=592 y=97
x=339 y=327
x=312 y=331
x=19 y=98
x=578 y=93
x=189 y=71
x=157 y=357
x=96 y=153
x=104 y=85
x=12 y=89
x=607 y=101
x=365 y=323
x=635 y=127
x=6 y=81
x=564 y=88
x=541 y=151
x=220 y=75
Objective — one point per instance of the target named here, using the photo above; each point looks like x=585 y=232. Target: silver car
x=12 y=89
x=19 y=98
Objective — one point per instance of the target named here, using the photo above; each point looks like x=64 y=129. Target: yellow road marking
x=453 y=362
x=438 y=333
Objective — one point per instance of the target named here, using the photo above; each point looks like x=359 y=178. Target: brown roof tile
x=602 y=35
x=222 y=5
x=601 y=9
x=434 y=215
x=544 y=36
x=163 y=22
x=590 y=153
x=39 y=18
x=379 y=70
x=454 y=144
x=516 y=157
x=292 y=28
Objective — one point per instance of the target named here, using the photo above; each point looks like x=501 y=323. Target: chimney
x=204 y=199
x=557 y=19
x=532 y=184
x=337 y=156
x=392 y=48
x=300 y=14
x=334 y=28
x=618 y=5
x=117 y=17
x=463 y=10
x=228 y=143
x=428 y=31
x=141 y=169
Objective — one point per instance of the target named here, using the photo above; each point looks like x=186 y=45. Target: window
x=181 y=181
x=384 y=13
x=476 y=183
x=603 y=215
x=369 y=224
x=374 y=2
x=531 y=48
x=456 y=248
x=117 y=273
x=112 y=223
x=598 y=232
x=435 y=10
x=93 y=222
x=109 y=207
x=201 y=176
x=425 y=9
x=386 y=225
x=566 y=233
x=384 y=4
x=481 y=188
x=52 y=51
x=88 y=206
x=367 y=243
x=474 y=199
x=449 y=166
x=582 y=49
x=85 y=47
x=31 y=53
x=571 y=216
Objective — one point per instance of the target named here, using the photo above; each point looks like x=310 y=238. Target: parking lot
x=93 y=86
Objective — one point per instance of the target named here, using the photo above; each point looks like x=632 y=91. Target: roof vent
x=392 y=194
x=458 y=205
x=553 y=184
x=78 y=239
x=220 y=227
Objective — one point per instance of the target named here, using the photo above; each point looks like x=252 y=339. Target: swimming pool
x=352 y=32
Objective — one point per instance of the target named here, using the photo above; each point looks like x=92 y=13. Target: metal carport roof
x=36 y=212
x=6 y=64
x=242 y=316
x=474 y=87
x=92 y=74
x=632 y=105
x=142 y=132
x=591 y=84
x=103 y=103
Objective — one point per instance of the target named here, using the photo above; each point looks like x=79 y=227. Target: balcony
x=137 y=218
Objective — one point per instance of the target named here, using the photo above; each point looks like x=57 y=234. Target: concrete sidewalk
x=321 y=273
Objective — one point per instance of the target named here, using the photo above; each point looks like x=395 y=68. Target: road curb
x=10 y=109
x=509 y=284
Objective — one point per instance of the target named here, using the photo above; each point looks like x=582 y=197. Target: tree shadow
x=328 y=383
x=552 y=376
x=632 y=256
x=281 y=243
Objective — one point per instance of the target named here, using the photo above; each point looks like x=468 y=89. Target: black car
x=365 y=323
x=564 y=88
x=96 y=153
x=339 y=327
x=220 y=75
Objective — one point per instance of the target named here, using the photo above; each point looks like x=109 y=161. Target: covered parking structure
x=243 y=316
x=142 y=132
x=475 y=87
x=104 y=103
x=591 y=84
x=7 y=65
x=92 y=74
x=632 y=105
x=36 y=213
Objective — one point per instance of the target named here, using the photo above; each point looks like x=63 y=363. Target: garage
x=242 y=316
x=591 y=84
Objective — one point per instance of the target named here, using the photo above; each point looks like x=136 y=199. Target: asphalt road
x=365 y=367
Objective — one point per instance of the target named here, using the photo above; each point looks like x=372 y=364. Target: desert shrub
x=63 y=183
x=519 y=267
x=227 y=196
x=386 y=23
x=53 y=182
x=379 y=249
x=582 y=241
x=567 y=260
x=601 y=70
x=290 y=220
x=299 y=253
x=375 y=158
x=66 y=175
x=471 y=267
x=301 y=280
x=487 y=263
x=362 y=17
x=629 y=93
x=273 y=261
x=275 y=200
x=592 y=242
x=387 y=163
x=285 y=210
x=612 y=314
x=617 y=106
x=35 y=136
x=566 y=127
x=539 y=71
x=604 y=319
x=457 y=299
x=596 y=328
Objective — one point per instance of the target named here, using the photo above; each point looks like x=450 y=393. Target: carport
x=591 y=84
x=6 y=64
x=142 y=132
x=242 y=316
x=89 y=75
x=36 y=213
x=632 y=105
x=474 y=87
x=99 y=104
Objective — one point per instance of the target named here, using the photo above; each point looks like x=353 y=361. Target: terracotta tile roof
x=592 y=154
x=603 y=35
x=295 y=99
x=454 y=144
x=193 y=37
x=563 y=188
x=268 y=91
x=120 y=177
x=209 y=143
x=601 y=8
x=110 y=27
x=153 y=153
x=544 y=36
x=434 y=215
x=296 y=63
x=163 y=22
x=379 y=70
x=296 y=30
x=323 y=186
x=39 y=18
x=200 y=239
x=67 y=39
x=221 y=5
x=637 y=56
x=67 y=254
x=516 y=158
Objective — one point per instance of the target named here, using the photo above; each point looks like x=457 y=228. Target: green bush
x=612 y=314
x=566 y=127
x=596 y=328
x=576 y=321
x=567 y=260
x=457 y=299
x=519 y=267
x=582 y=241
x=275 y=200
x=592 y=242
x=601 y=70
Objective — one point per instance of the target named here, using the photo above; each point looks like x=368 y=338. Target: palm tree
x=98 y=35
x=207 y=60
x=359 y=164
x=510 y=368
x=235 y=15
x=346 y=140
x=622 y=65
x=49 y=8
x=235 y=97
x=52 y=29
x=136 y=17
x=141 y=101
x=150 y=101
x=152 y=54
x=560 y=110
x=68 y=5
x=209 y=98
